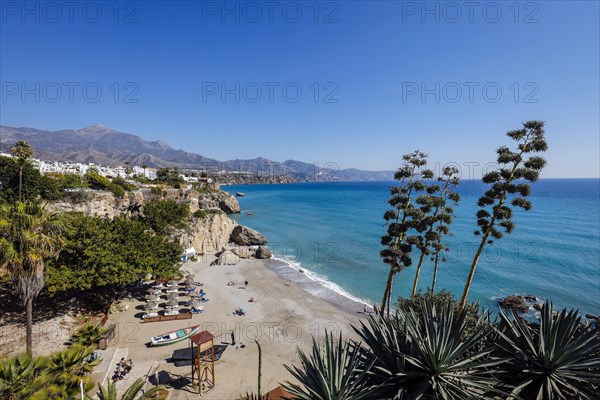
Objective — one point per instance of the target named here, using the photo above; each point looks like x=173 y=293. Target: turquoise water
x=332 y=231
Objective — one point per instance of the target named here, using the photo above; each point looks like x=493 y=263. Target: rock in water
x=515 y=303
x=263 y=253
x=245 y=236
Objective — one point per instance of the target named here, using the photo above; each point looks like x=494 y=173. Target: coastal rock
x=538 y=306
x=264 y=253
x=207 y=234
x=222 y=200
x=244 y=251
x=592 y=317
x=245 y=236
x=227 y=257
x=515 y=303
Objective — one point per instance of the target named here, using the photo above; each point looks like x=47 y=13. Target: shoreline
x=282 y=318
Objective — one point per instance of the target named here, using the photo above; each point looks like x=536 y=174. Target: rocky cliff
x=211 y=231
x=101 y=203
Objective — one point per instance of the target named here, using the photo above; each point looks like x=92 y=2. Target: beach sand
x=283 y=317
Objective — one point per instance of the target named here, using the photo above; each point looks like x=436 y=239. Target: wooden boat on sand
x=176 y=336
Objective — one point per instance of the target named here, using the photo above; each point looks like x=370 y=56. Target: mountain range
x=105 y=146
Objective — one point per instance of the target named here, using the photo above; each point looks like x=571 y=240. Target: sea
x=326 y=238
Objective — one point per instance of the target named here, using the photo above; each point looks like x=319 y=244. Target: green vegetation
x=22 y=151
x=28 y=237
x=101 y=252
x=204 y=213
x=34 y=185
x=170 y=176
x=160 y=215
x=88 y=335
x=427 y=351
x=57 y=376
x=118 y=186
x=433 y=217
x=400 y=219
x=508 y=188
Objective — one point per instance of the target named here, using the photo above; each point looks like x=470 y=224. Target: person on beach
x=232 y=339
x=375 y=309
x=246 y=283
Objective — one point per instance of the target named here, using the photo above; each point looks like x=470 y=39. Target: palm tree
x=28 y=235
x=557 y=360
x=507 y=189
x=132 y=393
x=21 y=376
x=23 y=152
x=335 y=372
x=67 y=370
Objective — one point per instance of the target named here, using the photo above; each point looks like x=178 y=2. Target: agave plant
x=88 y=335
x=21 y=376
x=558 y=360
x=422 y=352
x=333 y=372
x=132 y=393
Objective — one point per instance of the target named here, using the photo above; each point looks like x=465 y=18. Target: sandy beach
x=283 y=317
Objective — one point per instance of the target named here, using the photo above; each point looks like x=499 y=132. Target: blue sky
x=377 y=79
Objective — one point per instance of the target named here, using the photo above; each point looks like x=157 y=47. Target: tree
x=28 y=236
x=101 y=252
x=66 y=370
x=507 y=188
x=162 y=214
x=32 y=182
x=434 y=210
x=396 y=242
x=23 y=152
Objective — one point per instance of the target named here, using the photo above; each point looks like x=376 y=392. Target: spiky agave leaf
x=422 y=353
x=335 y=371
x=558 y=361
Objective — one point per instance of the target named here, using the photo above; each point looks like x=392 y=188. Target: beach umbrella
x=190 y=276
x=152 y=297
x=172 y=282
x=173 y=296
x=172 y=303
x=189 y=281
x=194 y=302
x=150 y=305
x=155 y=291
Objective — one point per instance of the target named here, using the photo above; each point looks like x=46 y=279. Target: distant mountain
x=105 y=146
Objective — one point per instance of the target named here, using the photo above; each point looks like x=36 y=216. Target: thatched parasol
x=152 y=297
x=173 y=296
x=150 y=305
x=172 y=303
x=172 y=282
x=194 y=302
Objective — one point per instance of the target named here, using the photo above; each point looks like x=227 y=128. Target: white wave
x=291 y=262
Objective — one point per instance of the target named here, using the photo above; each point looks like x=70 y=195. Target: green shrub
x=88 y=335
x=163 y=214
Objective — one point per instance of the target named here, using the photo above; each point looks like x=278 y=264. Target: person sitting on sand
x=252 y=300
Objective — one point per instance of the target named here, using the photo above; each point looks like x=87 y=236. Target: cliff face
x=207 y=234
x=100 y=203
